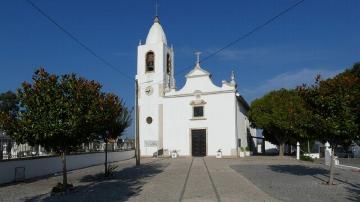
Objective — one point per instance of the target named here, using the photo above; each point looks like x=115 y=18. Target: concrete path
x=199 y=185
x=200 y=179
x=182 y=179
x=290 y=180
x=197 y=179
x=231 y=185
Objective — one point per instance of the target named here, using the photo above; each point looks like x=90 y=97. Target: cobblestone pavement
x=182 y=179
x=197 y=179
x=290 y=180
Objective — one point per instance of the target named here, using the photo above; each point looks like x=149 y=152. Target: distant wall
x=36 y=167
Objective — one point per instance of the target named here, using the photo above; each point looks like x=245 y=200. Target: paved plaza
x=291 y=180
x=197 y=179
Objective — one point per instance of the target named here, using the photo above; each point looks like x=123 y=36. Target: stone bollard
x=327 y=154
x=174 y=154
x=298 y=151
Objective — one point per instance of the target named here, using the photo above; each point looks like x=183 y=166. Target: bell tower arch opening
x=150 y=62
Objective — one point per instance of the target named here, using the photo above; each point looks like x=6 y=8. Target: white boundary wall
x=43 y=166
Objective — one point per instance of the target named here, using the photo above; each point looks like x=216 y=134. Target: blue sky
x=316 y=37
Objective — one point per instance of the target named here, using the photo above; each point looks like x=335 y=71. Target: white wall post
x=298 y=151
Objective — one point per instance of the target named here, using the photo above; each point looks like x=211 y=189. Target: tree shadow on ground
x=120 y=186
x=354 y=192
x=321 y=174
x=298 y=170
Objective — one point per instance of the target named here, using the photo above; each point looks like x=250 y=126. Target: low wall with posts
x=21 y=169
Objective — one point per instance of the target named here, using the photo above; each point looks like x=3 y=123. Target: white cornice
x=202 y=93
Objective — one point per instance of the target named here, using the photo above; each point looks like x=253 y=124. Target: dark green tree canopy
x=9 y=108
x=281 y=114
x=336 y=107
x=113 y=116
x=280 y=111
x=62 y=112
x=9 y=103
x=59 y=112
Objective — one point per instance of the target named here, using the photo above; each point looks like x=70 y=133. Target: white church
x=198 y=119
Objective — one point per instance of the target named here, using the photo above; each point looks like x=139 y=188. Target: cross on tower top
x=197 y=57
x=156 y=7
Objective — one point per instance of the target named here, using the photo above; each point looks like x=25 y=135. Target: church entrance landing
x=198 y=142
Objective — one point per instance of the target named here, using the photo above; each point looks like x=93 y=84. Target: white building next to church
x=196 y=120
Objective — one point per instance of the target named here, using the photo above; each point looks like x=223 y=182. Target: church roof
x=242 y=100
x=156 y=33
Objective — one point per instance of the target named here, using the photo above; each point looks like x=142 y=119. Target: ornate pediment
x=197 y=72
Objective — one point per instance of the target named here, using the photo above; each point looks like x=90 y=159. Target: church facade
x=198 y=119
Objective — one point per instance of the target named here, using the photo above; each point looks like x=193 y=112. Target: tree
x=8 y=111
x=336 y=109
x=9 y=103
x=282 y=115
x=354 y=73
x=113 y=119
x=59 y=113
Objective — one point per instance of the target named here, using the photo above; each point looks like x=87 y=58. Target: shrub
x=306 y=158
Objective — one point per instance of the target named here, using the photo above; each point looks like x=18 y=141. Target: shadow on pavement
x=320 y=174
x=121 y=186
x=298 y=170
x=355 y=192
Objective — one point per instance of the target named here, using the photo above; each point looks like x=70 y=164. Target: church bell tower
x=155 y=75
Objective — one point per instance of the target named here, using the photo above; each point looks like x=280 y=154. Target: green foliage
x=59 y=112
x=113 y=117
x=112 y=168
x=59 y=188
x=9 y=103
x=281 y=114
x=306 y=145
x=336 y=107
x=62 y=112
x=306 y=158
x=9 y=108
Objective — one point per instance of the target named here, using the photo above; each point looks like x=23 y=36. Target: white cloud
x=240 y=54
x=280 y=55
x=288 y=80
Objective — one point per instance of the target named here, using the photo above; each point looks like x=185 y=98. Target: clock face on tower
x=148 y=90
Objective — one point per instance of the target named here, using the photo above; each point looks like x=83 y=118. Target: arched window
x=150 y=58
x=168 y=64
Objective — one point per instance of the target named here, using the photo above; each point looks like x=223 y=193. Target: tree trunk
x=1 y=150
x=332 y=162
x=308 y=146
x=281 y=148
x=63 y=158
x=106 y=166
x=8 y=149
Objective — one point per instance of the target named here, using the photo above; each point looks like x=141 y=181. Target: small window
x=150 y=58
x=198 y=111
